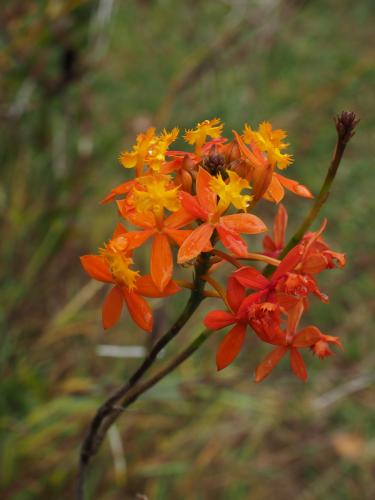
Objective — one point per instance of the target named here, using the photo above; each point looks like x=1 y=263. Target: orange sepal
x=178 y=235
x=139 y=310
x=269 y=363
x=231 y=239
x=179 y=219
x=230 y=346
x=96 y=267
x=275 y=191
x=147 y=288
x=205 y=195
x=244 y=223
x=294 y=186
x=195 y=243
x=112 y=307
x=161 y=261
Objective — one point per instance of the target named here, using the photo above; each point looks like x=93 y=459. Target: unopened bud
x=346 y=123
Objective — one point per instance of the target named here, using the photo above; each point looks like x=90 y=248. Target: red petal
x=244 y=223
x=216 y=320
x=235 y=293
x=294 y=186
x=146 y=287
x=297 y=364
x=230 y=346
x=139 y=310
x=206 y=197
x=161 y=261
x=289 y=262
x=250 y=278
x=112 y=308
x=96 y=267
x=269 y=245
x=195 y=243
x=269 y=363
x=307 y=337
x=231 y=240
x=279 y=227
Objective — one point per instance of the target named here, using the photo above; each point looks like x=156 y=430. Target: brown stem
x=345 y=126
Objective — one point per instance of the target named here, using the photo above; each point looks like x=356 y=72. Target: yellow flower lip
x=119 y=263
x=158 y=193
x=229 y=191
x=270 y=142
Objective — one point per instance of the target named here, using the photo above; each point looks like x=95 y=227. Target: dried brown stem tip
x=346 y=123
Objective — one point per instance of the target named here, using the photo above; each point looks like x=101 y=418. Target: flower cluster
x=189 y=203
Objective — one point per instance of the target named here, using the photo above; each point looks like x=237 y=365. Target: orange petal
x=231 y=239
x=244 y=223
x=206 y=197
x=279 y=226
x=121 y=189
x=139 y=310
x=96 y=267
x=297 y=364
x=269 y=363
x=136 y=238
x=144 y=219
x=161 y=261
x=146 y=287
x=190 y=204
x=230 y=346
x=195 y=243
x=307 y=337
x=294 y=186
x=294 y=317
x=178 y=235
x=275 y=191
x=112 y=308
x=119 y=230
x=179 y=219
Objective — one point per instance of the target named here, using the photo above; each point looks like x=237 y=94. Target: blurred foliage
x=79 y=79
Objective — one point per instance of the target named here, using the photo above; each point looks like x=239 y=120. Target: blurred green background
x=78 y=80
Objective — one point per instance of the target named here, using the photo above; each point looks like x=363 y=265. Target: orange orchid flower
x=113 y=266
x=164 y=232
x=266 y=182
x=206 y=208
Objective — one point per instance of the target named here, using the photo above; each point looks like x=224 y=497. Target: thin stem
x=139 y=389
x=345 y=125
x=228 y=258
x=261 y=258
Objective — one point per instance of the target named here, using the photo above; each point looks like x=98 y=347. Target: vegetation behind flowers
x=77 y=90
